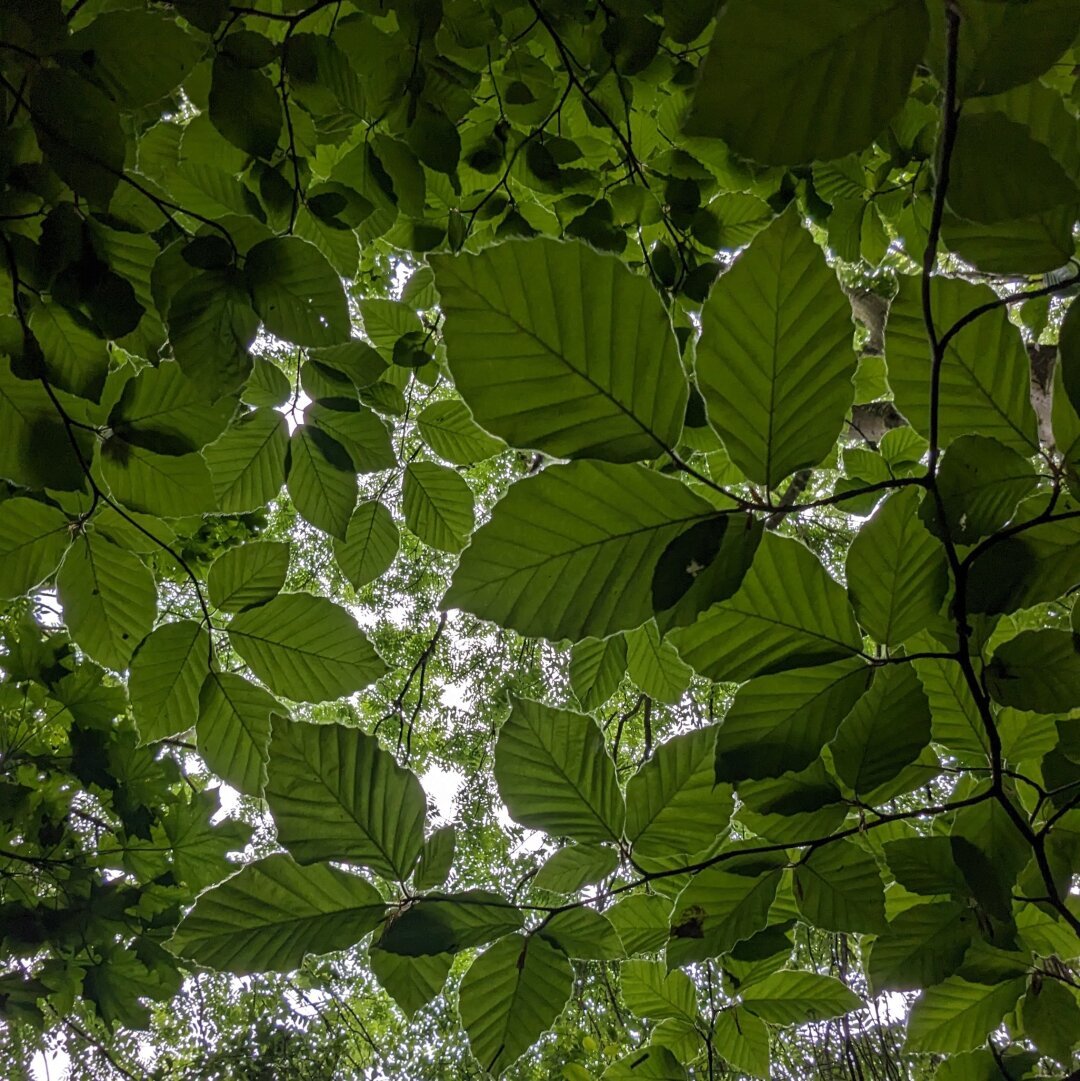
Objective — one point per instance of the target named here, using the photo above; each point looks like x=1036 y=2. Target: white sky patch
x=454 y=695
x=291 y=410
x=442 y=786
x=531 y=840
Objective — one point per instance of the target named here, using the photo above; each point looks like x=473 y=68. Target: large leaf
x=1037 y=670
x=784 y=89
x=163 y=410
x=571 y=553
x=576 y=866
x=718 y=909
x=511 y=995
x=74 y=357
x=166 y=673
x=305 y=648
x=921 y=946
x=673 y=803
x=597 y=666
x=33 y=539
x=109 y=599
x=559 y=348
x=885 y=731
x=792 y=998
x=335 y=794
x=370 y=545
x=364 y=434
x=838 y=888
x=897 y=574
x=322 y=484
x=272 y=913
x=166 y=485
x=985 y=374
x=957 y=1015
x=742 y=1040
x=650 y=991
x=788 y=613
x=248 y=462
x=775 y=359
x=555 y=774
x=233 y=730
x=438 y=505
x=449 y=923
x=247 y=575
x=781 y=722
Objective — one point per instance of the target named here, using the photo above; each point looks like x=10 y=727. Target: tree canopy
x=539 y=538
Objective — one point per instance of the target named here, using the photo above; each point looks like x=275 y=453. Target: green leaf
x=673 y=803
x=956 y=1015
x=556 y=347
x=648 y=1064
x=412 y=982
x=793 y=806
x=597 y=666
x=742 y=1040
x=1037 y=670
x=450 y=431
x=789 y=997
x=922 y=946
x=296 y=292
x=822 y=89
x=897 y=574
x=73 y=356
x=583 y=933
x=985 y=375
x=78 y=129
x=980 y=482
x=135 y=76
x=763 y=629
x=364 y=434
x=233 y=730
x=33 y=539
x=162 y=410
x=166 y=673
x=244 y=107
x=109 y=599
x=335 y=794
x=990 y=852
x=925 y=865
x=1069 y=352
x=211 y=327
x=370 y=545
x=248 y=575
x=322 y=484
x=654 y=665
x=781 y=722
x=272 y=913
x=554 y=773
x=1027 y=178
x=718 y=909
x=1051 y=1017
x=533 y=566
x=576 y=866
x=450 y=923
x=838 y=888
x=642 y=921
x=305 y=648
x=166 y=485
x=775 y=360
x=248 y=462
x=511 y=995
x=438 y=505
x=436 y=859
x=956 y=723
x=885 y=731
x=651 y=991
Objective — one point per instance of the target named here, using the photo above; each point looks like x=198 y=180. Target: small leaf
x=838 y=888
x=438 y=506
x=650 y=991
x=436 y=859
x=233 y=730
x=597 y=666
x=654 y=665
x=412 y=982
x=1037 y=670
x=248 y=462
x=33 y=539
x=957 y=1015
x=322 y=484
x=450 y=431
x=244 y=107
x=370 y=545
x=576 y=866
x=793 y=998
